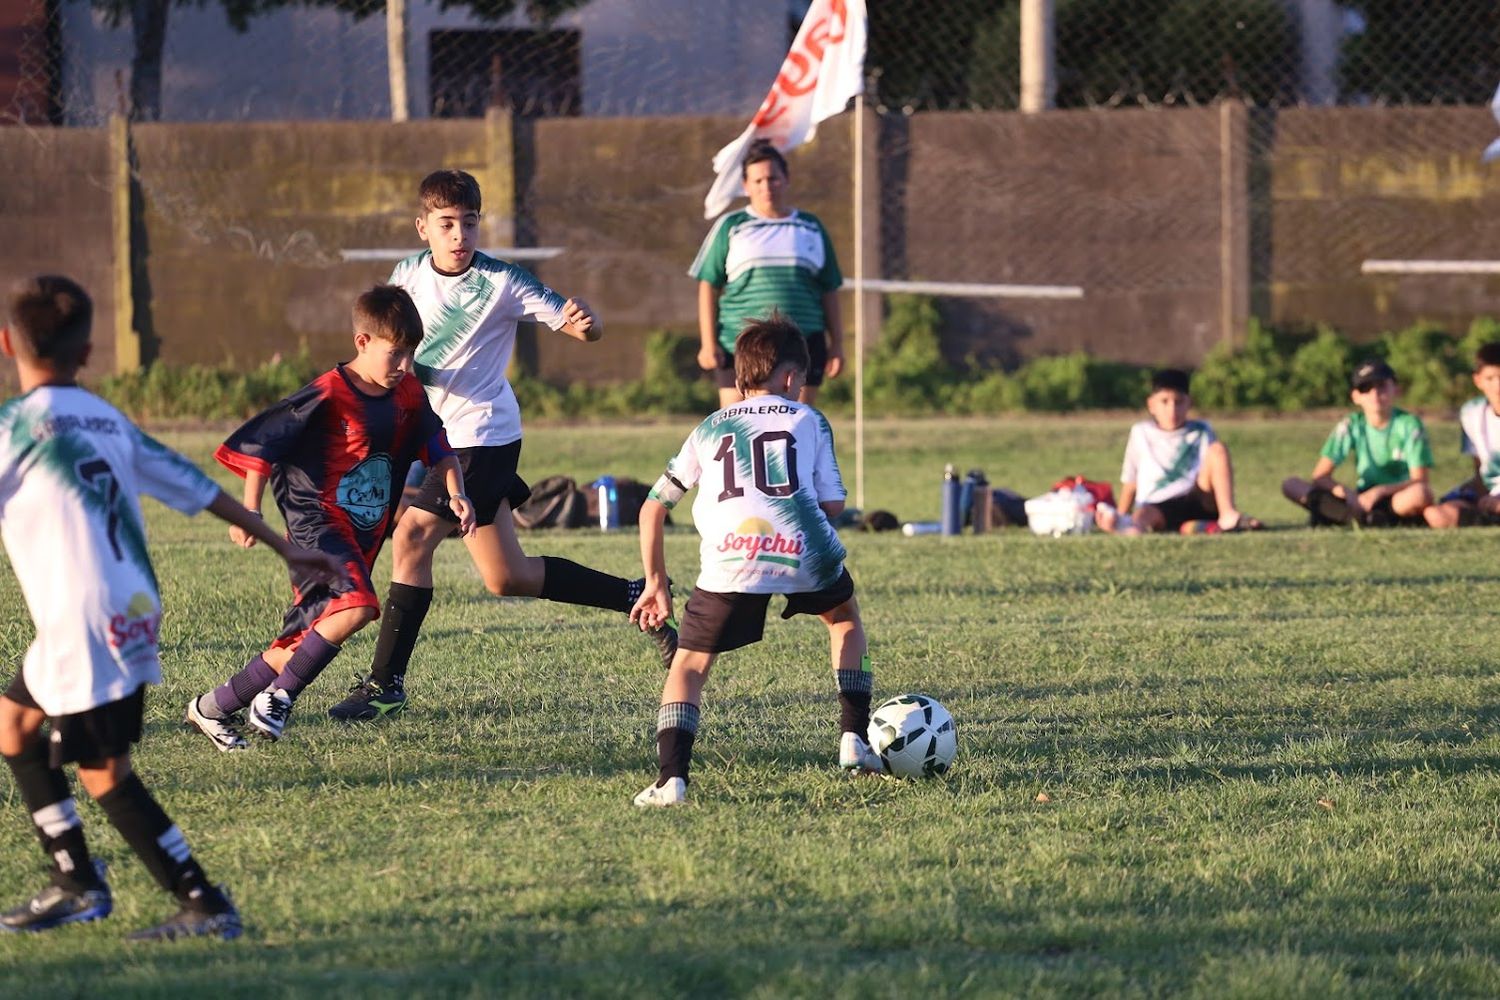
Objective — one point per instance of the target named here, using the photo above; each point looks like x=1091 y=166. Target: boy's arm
x=1322 y=474
x=709 y=350
x=832 y=508
x=319 y=565
x=579 y=321
x=255 y=491
x=1127 y=497
x=833 y=329
x=458 y=500
x=654 y=607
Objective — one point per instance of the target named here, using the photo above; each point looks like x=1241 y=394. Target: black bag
x=555 y=502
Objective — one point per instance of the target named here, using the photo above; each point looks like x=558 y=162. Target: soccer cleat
x=213 y=915
x=673 y=793
x=1325 y=508
x=269 y=712
x=368 y=700
x=855 y=755
x=55 y=906
x=221 y=732
x=665 y=637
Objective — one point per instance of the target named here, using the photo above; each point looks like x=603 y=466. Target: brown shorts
x=103 y=731
x=717 y=623
x=1194 y=505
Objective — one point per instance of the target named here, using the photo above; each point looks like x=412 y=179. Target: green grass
x=1270 y=763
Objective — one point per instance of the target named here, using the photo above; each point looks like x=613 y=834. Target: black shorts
x=489 y=478
x=1194 y=505
x=717 y=623
x=1383 y=515
x=817 y=354
x=103 y=731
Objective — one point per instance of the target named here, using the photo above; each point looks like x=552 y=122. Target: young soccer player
x=1478 y=500
x=72 y=468
x=771 y=484
x=1177 y=473
x=336 y=453
x=470 y=303
x=1392 y=459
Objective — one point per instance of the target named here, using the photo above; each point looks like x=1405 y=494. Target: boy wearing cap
x=1176 y=470
x=1392 y=459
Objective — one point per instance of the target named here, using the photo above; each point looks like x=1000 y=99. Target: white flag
x=825 y=67
x=1492 y=151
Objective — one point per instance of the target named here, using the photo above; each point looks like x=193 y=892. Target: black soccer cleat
x=665 y=637
x=1325 y=508
x=212 y=914
x=369 y=700
x=57 y=905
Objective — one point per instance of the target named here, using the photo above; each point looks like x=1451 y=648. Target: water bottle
x=609 y=504
x=980 y=502
x=913 y=528
x=952 y=517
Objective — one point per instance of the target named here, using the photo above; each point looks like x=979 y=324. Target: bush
x=1318 y=374
x=164 y=392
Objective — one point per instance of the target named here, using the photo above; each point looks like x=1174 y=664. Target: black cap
x=1368 y=374
x=1170 y=378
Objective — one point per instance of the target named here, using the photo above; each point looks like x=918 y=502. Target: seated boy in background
x=1176 y=473
x=335 y=453
x=1392 y=459
x=1478 y=500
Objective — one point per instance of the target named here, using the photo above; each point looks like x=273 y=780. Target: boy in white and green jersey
x=769 y=482
x=72 y=469
x=1477 y=501
x=1392 y=459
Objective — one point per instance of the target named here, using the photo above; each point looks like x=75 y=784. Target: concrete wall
x=1166 y=218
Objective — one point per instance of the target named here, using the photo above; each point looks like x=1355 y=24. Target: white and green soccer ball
x=914 y=736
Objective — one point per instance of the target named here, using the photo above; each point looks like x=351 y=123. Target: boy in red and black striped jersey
x=336 y=453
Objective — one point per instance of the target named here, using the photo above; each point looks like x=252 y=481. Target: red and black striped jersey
x=337 y=457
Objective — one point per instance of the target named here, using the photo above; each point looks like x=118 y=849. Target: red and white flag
x=825 y=68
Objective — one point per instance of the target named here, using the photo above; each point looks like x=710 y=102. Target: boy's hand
x=464 y=511
x=577 y=314
x=320 y=566
x=653 y=608
x=710 y=357
x=241 y=537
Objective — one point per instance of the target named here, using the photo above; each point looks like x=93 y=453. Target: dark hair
x=387 y=312
x=763 y=346
x=761 y=151
x=1488 y=354
x=449 y=189
x=1170 y=378
x=50 y=317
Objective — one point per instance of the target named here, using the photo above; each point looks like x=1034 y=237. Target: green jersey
x=1382 y=455
x=761 y=264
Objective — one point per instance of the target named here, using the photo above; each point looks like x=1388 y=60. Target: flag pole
x=859 y=301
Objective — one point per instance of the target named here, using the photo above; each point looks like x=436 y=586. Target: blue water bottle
x=952 y=516
x=609 y=504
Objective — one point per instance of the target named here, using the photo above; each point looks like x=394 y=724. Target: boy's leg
x=159 y=843
x=1450 y=514
x=856 y=685
x=1412 y=500
x=1217 y=479
x=77 y=891
x=677 y=728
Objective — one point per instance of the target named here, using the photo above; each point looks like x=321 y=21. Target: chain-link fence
x=1301 y=145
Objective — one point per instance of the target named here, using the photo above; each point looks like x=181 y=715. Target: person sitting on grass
x=1177 y=473
x=1392 y=459
x=770 y=487
x=1478 y=500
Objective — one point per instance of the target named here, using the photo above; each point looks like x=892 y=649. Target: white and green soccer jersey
x=1385 y=455
x=1481 y=439
x=765 y=464
x=1165 y=464
x=470 y=321
x=763 y=264
x=71 y=472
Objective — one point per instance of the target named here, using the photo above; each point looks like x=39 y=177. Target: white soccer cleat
x=855 y=755
x=221 y=732
x=673 y=793
x=270 y=711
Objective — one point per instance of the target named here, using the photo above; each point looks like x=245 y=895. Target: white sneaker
x=855 y=755
x=269 y=712
x=221 y=732
x=673 y=793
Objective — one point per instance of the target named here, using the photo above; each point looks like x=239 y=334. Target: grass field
x=1253 y=765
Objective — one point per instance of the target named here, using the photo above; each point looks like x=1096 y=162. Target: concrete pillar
x=1234 y=221
x=1038 y=62
x=127 y=337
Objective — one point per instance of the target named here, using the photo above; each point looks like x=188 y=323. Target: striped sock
x=855 y=688
x=676 y=728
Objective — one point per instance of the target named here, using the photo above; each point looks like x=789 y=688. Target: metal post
x=1038 y=72
x=395 y=55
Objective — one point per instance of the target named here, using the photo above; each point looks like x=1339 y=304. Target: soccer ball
x=914 y=736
